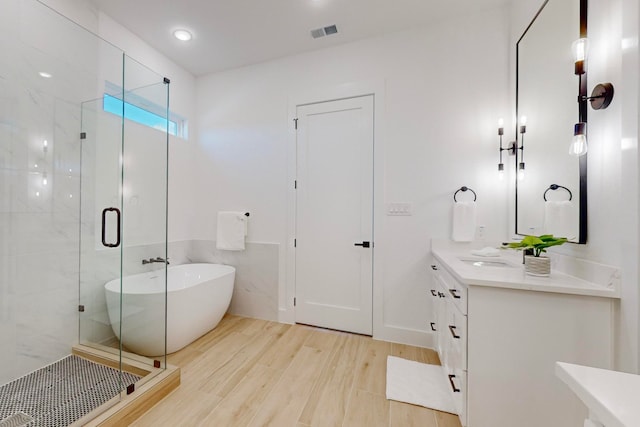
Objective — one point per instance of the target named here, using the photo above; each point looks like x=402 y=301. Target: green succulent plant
x=538 y=244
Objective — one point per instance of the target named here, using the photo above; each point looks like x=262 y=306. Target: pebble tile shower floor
x=60 y=394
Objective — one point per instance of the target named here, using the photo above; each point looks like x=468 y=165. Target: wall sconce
x=523 y=130
x=578 y=146
x=602 y=94
x=600 y=98
x=511 y=148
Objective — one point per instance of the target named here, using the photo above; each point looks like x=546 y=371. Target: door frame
x=288 y=262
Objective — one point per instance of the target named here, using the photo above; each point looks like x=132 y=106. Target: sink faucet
x=157 y=259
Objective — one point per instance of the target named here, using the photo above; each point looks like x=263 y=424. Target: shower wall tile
x=255 y=293
x=39 y=339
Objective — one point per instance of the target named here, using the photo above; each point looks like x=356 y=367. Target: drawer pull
x=434 y=293
x=453 y=332
x=453 y=386
x=434 y=267
x=433 y=326
x=453 y=292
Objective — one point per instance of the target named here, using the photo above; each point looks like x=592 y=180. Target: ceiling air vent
x=326 y=31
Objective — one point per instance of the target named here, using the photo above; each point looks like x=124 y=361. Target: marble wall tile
x=255 y=292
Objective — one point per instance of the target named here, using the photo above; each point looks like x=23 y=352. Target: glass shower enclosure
x=83 y=200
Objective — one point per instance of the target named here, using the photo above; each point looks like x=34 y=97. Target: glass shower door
x=123 y=260
x=100 y=226
x=144 y=208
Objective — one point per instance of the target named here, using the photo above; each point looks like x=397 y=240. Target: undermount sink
x=487 y=263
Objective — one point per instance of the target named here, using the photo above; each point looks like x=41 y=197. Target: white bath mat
x=418 y=384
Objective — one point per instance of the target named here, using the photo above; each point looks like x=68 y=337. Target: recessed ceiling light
x=182 y=35
x=45 y=74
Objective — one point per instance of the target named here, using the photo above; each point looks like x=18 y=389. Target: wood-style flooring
x=250 y=372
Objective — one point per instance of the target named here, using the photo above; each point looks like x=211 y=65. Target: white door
x=334 y=215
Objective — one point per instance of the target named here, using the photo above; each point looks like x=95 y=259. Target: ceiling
x=232 y=33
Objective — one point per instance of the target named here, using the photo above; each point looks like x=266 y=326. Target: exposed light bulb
x=578 y=145
x=501 y=171
x=500 y=122
x=44 y=181
x=580 y=50
x=45 y=143
x=45 y=75
x=521 y=171
x=37 y=194
x=523 y=124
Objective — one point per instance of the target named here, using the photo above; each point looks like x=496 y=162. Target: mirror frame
x=582 y=117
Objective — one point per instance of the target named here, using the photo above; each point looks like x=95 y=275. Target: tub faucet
x=157 y=259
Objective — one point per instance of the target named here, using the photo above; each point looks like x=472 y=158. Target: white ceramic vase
x=537 y=266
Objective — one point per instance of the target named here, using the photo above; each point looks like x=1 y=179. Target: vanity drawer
x=456 y=331
x=456 y=290
x=457 y=379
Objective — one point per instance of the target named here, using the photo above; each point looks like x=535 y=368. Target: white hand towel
x=464 y=221
x=560 y=219
x=232 y=227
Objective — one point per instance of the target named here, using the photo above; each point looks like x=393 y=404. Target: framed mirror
x=551 y=185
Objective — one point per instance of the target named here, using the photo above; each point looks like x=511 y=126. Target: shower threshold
x=84 y=389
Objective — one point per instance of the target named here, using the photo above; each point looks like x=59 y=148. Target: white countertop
x=613 y=397
x=513 y=276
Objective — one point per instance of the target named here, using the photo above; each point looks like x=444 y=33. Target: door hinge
x=295 y=122
x=295 y=243
x=83 y=135
x=81 y=308
x=295 y=184
x=294 y=301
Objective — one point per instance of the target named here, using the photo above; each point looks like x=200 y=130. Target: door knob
x=363 y=244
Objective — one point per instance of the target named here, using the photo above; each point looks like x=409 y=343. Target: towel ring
x=555 y=187
x=463 y=189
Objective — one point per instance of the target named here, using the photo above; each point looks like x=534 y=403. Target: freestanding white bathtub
x=198 y=295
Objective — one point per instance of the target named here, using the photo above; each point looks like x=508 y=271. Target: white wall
x=613 y=156
x=444 y=87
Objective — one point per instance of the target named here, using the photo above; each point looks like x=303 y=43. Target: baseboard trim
x=402 y=335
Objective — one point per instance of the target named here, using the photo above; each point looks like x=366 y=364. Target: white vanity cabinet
x=450 y=327
x=499 y=346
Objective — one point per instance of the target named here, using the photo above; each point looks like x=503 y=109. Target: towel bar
x=555 y=187
x=463 y=189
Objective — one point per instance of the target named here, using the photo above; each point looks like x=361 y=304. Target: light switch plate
x=399 y=209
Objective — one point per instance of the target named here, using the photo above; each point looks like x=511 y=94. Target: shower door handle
x=104 y=228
